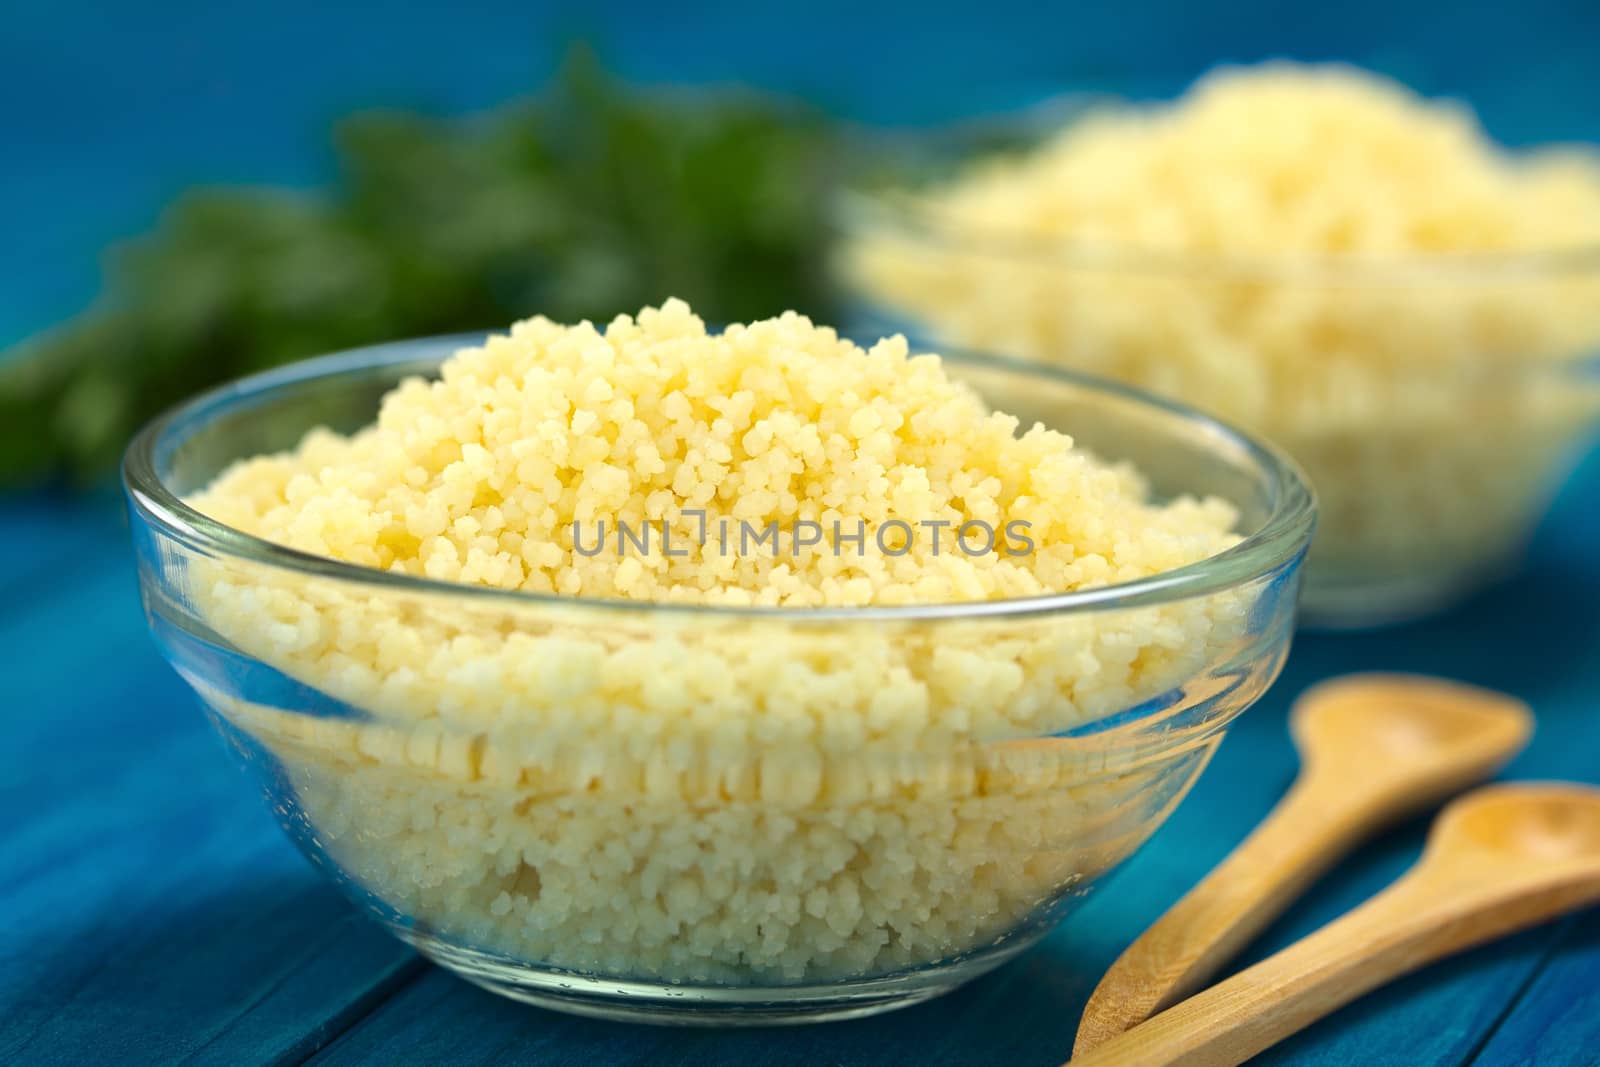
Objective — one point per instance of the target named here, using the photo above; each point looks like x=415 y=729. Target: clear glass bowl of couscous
x=1313 y=254
x=691 y=811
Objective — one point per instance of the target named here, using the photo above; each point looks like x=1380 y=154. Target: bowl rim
x=969 y=143
x=1279 y=543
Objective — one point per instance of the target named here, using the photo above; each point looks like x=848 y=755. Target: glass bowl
x=1435 y=402
x=699 y=814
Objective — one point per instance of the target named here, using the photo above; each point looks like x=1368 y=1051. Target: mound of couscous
x=1312 y=253
x=710 y=795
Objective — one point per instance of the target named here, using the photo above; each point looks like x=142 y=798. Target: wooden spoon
x=1504 y=858
x=1373 y=748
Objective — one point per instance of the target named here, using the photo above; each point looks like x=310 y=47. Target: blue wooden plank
x=47 y=532
x=161 y=914
x=1013 y=1017
x=1557 y=1019
x=84 y=677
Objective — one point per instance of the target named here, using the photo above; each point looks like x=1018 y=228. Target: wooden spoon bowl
x=1538 y=827
x=1426 y=737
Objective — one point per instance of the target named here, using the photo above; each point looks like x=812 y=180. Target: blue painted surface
x=153 y=912
x=110 y=107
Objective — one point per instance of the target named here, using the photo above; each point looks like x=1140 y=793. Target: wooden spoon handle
x=1434 y=911
x=1312 y=827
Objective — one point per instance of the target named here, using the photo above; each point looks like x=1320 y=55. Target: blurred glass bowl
x=611 y=840
x=1435 y=402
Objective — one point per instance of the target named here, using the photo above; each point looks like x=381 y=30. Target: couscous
x=1315 y=254
x=694 y=797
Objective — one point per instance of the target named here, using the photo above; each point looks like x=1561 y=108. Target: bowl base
x=663 y=1003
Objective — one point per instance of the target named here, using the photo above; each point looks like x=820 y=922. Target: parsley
x=586 y=200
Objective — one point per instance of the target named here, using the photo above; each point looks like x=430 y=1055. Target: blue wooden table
x=153 y=913
x=150 y=911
